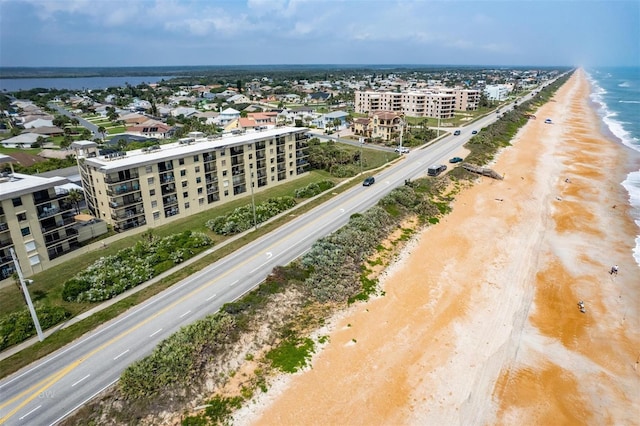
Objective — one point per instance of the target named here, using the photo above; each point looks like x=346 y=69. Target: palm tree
x=102 y=130
x=75 y=196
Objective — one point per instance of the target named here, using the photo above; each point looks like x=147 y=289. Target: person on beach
x=614 y=270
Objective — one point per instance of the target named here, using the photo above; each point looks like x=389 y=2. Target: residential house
x=152 y=129
x=133 y=119
x=334 y=120
x=386 y=125
x=38 y=122
x=184 y=111
x=23 y=140
x=362 y=127
x=226 y=116
x=238 y=99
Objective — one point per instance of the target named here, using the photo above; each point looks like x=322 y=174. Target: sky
x=104 y=33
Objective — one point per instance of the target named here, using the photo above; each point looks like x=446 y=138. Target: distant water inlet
x=75 y=83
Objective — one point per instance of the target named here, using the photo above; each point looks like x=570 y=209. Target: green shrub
x=18 y=326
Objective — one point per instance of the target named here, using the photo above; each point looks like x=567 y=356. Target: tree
x=66 y=142
x=239 y=86
x=75 y=197
x=102 y=130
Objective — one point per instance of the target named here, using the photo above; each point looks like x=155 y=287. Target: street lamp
x=32 y=310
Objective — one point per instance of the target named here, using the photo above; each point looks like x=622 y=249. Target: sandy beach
x=480 y=321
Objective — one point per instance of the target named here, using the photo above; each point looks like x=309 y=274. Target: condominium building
x=497 y=92
x=435 y=102
x=156 y=185
x=38 y=221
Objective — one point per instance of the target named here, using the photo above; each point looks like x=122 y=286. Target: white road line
x=30 y=412
x=155 y=332
x=80 y=380
x=233 y=283
x=121 y=354
x=186 y=313
x=210 y=297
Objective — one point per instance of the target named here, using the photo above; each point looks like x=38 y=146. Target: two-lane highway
x=50 y=389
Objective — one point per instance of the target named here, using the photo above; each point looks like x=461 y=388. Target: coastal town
x=108 y=127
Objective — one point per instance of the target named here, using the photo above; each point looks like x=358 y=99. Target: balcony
x=5 y=243
x=60 y=236
x=42 y=199
x=3 y=227
x=127 y=213
x=50 y=227
x=169 y=201
x=209 y=157
x=123 y=188
x=122 y=176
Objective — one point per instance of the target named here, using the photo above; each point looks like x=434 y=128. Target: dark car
x=455 y=160
x=369 y=181
x=456 y=133
x=474 y=132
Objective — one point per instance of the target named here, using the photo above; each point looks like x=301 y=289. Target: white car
x=402 y=150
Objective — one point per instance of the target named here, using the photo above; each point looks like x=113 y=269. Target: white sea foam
x=629 y=102
x=624 y=84
x=632 y=185
x=608 y=116
x=632 y=182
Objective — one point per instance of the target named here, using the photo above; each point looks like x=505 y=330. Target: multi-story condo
x=156 y=185
x=37 y=220
x=435 y=102
x=497 y=92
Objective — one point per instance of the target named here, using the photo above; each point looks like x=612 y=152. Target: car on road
x=474 y=132
x=456 y=133
x=402 y=150
x=369 y=181
x=455 y=160
x=548 y=121
x=436 y=169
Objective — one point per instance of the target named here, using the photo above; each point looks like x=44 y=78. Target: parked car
x=436 y=169
x=369 y=181
x=402 y=150
x=456 y=133
x=455 y=160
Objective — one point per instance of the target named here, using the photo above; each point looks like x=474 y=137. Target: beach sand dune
x=480 y=321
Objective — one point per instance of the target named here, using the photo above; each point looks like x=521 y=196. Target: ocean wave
x=632 y=185
x=630 y=102
x=608 y=117
x=624 y=84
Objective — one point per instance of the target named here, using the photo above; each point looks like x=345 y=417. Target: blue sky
x=241 y=32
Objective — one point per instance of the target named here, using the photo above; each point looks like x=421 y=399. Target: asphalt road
x=50 y=389
x=92 y=127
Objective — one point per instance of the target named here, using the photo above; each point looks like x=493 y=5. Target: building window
x=183 y=172
x=226 y=193
x=25 y=231
x=197 y=169
x=250 y=156
x=224 y=173
x=150 y=180
x=152 y=192
x=201 y=201
x=184 y=183
x=185 y=195
x=198 y=179
x=186 y=205
x=30 y=246
x=196 y=158
x=22 y=216
x=272 y=160
x=34 y=260
x=181 y=162
x=224 y=163
x=199 y=190
x=17 y=201
x=154 y=204
x=156 y=215
x=148 y=169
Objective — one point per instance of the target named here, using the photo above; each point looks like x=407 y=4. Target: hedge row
x=242 y=218
x=18 y=326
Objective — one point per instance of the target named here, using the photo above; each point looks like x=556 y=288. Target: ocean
x=76 y=83
x=616 y=92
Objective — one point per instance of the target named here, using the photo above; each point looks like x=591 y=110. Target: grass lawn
x=115 y=130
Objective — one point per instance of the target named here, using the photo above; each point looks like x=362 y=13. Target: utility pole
x=253 y=204
x=26 y=295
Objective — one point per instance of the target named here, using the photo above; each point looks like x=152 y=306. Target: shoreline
x=441 y=347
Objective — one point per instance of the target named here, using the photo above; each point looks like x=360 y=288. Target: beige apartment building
x=437 y=103
x=156 y=185
x=39 y=222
